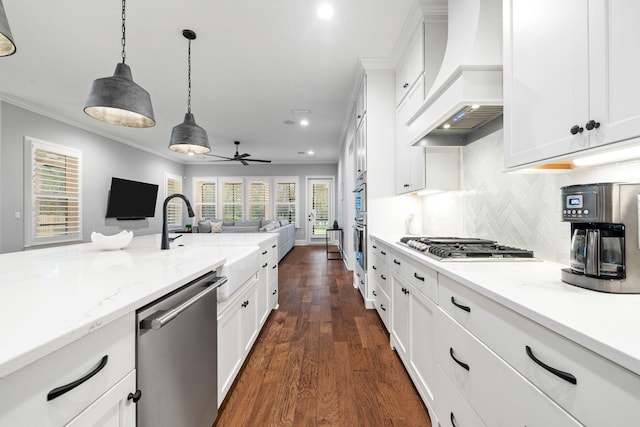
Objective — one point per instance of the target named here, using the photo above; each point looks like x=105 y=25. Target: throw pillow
x=216 y=227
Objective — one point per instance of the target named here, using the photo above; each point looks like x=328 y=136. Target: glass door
x=319 y=208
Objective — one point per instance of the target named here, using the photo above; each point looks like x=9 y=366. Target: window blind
x=55 y=196
x=258 y=206
x=206 y=198
x=174 y=207
x=285 y=203
x=232 y=203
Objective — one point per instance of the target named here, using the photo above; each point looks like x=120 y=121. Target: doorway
x=320 y=212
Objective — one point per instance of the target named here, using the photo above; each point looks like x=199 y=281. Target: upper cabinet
x=411 y=66
x=570 y=83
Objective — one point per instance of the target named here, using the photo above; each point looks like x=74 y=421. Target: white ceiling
x=252 y=63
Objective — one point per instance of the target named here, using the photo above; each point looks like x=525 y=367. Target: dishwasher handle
x=162 y=317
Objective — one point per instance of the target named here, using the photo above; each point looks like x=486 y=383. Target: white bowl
x=110 y=243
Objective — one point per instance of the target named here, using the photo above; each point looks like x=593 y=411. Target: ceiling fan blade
x=244 y=162
x=258 y=160
x=241 y=156
x=221 y=157
x=215 y=161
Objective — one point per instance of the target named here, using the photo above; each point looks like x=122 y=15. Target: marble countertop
x=51 y=297
x=606 y=324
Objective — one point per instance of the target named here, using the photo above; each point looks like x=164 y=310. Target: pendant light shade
x=118 y=99
x=7 y=46
x=188 y=137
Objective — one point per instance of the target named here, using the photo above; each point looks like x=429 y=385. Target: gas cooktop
x=466 y=249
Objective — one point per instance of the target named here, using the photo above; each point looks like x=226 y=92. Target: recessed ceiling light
x=310 y=152
x=446 y=126
x=325 y=11
x=304 y=122
x=475 y=106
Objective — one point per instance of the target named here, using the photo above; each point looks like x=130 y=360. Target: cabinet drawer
x=452 y=408
x=381 y=251
x=499 y=395
x=509 y=334
x=381 y=275
x=422 y=278
x=383 y=304
x=24 y=393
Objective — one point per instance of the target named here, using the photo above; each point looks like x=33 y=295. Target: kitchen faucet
x=165 y=231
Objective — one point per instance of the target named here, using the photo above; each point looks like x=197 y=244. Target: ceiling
x=253 y=62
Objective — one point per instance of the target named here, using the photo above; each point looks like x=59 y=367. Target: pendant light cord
x=123 y=40
x=189 y=80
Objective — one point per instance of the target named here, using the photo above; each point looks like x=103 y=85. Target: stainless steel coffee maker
x=605 y=252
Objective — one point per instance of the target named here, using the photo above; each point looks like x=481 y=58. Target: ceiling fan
x=242 y=158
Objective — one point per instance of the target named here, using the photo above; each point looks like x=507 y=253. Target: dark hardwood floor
x=322 y=359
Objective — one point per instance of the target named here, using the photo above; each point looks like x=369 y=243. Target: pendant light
x=7 y=46
x=118 y=99
x=188 y=137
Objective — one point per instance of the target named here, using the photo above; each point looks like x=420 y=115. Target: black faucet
x=165 y=231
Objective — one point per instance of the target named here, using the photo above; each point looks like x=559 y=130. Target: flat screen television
x=131 y=199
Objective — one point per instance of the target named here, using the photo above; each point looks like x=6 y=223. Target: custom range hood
x=467 y=91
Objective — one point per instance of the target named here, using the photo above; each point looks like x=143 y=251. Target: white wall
x=522 y=210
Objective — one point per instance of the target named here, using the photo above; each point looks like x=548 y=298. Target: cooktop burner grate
x=465 y=249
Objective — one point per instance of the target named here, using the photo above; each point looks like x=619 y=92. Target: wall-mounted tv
x=131 y=199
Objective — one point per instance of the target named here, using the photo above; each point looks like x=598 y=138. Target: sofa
x=284 y=229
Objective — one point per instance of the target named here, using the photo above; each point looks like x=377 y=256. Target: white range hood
x=467 y=91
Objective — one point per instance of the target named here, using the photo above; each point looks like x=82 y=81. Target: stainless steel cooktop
x=466 y=249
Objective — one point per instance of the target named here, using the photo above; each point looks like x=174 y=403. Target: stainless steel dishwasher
x=176 y=357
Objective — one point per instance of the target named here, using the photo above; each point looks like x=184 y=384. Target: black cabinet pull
x=576 y=129
x=383 y=277
x=382 y=307
x=134 y=397
x=59 y=391
x=265 y=264
x=264 y=252
x=274 y=266
x=406 y=185
x=460 y=306
x=245 y=304
x=592 y=124
x=374 y=267
x=453 y=420
x=383 y=252
x=374 y=293
x=274 y=246
x=395 y=261
x=564 y=375
x=464 y=365
x=374 y=246
x=275 y=291
x=418 y=277
x=405 y=291
x=406 y=85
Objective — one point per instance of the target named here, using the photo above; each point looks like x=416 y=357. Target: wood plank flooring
x=322 y=359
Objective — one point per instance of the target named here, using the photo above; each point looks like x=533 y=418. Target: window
x=173 y=185
x=258 y=205
x=206 y=198
x=286 y=192
x=53 y=200
x=232 y=199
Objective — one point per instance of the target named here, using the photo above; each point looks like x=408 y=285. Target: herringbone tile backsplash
x=514 y=209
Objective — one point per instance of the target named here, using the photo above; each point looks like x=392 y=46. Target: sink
x=242 y=263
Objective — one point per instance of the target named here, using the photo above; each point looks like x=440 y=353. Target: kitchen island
x=507 y=342
x=52 y=298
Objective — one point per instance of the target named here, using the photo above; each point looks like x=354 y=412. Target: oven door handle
x=161 y=318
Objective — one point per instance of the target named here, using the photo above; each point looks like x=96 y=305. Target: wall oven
x=360 y=240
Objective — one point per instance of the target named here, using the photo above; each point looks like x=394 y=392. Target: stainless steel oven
x=360 y=240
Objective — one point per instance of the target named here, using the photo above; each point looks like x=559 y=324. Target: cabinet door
x=361 y=148
x=230 y=354
x=249 y=323
x=400 y=315
x=262 y=296
x=422 y=338
x=412 y=65
x=113 y=409
x=546 y=78
x=614 y=71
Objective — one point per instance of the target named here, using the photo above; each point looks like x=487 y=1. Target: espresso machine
x=605 y=251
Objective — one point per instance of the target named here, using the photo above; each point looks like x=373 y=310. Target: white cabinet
x=361 y=102
x=409 y=161
x=238 y=328
x=580 y=90
x=267 y=296
x=411 y=66
x=98 y=363
x=412 y=321
x=361 y=148
x=113 y=409
x=499 y=395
